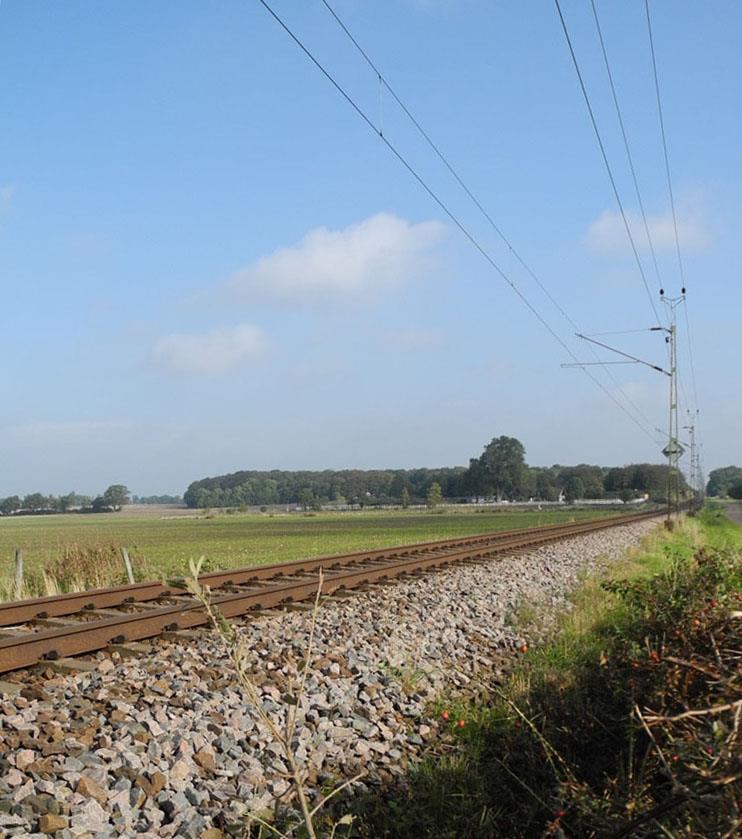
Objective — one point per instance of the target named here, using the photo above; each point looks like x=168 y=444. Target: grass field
x=164 y=545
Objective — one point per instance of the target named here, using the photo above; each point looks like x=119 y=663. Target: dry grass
x=78 y=568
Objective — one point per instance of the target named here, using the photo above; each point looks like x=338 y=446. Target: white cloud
x=211 y=352
x=607 y=234
x=359 y=261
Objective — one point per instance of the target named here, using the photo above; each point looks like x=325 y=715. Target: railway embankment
x=625 y=723
x=166 y=744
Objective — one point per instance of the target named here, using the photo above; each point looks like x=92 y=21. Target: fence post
x=18 y=573
x=127 y=565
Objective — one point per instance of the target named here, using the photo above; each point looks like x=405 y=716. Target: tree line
x=499 y=473
x=725 y=481
x=311 y=488
x=156 y=499
x=114 y=498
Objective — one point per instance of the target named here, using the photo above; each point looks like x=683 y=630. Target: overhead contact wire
x=439 y=201
x=629 y=156
x=606 y=161
x=464 y=186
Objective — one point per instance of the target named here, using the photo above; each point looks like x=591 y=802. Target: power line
x=429 y=140
x=666 y=156
x=450 y=167
x=443 y=206
x=664 y=144
x=605 y=161
x=626 y=143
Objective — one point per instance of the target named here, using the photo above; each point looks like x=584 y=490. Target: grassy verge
x=164 y=546
x=626 y=724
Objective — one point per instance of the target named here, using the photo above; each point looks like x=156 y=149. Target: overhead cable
x=443 y=206
x=457 y=177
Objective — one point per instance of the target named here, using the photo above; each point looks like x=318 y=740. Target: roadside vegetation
x=626 y=724
x=72 y=552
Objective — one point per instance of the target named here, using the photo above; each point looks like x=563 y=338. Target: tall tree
x=306 y=497
x=35 y=501
x=435 y=495
x=502 y=468
x=574 y=489
x=116 y=496
x=545 y=486
x=10 y=505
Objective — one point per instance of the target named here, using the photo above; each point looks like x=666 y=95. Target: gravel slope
x=166 y=746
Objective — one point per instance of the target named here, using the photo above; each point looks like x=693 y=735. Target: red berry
x=461 y=723
x=444 y=715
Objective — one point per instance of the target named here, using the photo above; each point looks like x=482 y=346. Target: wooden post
x=18 y=573
x=127 y=565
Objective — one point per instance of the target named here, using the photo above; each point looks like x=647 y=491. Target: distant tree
x=405 y=498
x=435 y=495
x=500 y=470
x=35 y=501
x=306 y=497
x=99 y=505
x=574 y=489
x=66 y=502
x=626 y=495
x=116 y=496
x=735 y=490
x=74 y=499
x=720 y=480
x=10 y=505
x=545 y=486
x=156 y=499
x=397 y=486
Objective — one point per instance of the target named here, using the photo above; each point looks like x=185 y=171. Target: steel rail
x=26 y=648
x=23 y=611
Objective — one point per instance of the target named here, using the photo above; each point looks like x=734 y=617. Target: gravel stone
x=167 y=745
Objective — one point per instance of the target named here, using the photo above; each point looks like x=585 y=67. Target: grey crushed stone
x=166 y=745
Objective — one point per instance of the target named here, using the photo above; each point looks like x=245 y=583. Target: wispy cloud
x=213 y=352
x=360 y=261
x=607 y=234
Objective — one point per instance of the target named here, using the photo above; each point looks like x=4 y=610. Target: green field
x=164 y=545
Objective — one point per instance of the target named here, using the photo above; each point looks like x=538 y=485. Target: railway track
x=48 y=628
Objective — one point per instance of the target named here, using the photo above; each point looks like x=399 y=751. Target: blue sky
x=208 y=262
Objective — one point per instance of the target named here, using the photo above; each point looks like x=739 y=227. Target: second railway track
x=47 y=628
